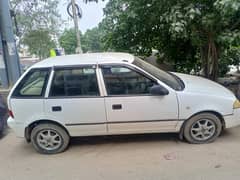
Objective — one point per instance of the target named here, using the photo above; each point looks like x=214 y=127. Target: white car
x=115 y=93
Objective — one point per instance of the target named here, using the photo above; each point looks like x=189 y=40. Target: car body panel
x=232 y=120
x=201 y=95
x=27 y=111
x=138 y=111
x=200 y=85
x=82 y=116
x=139 y=114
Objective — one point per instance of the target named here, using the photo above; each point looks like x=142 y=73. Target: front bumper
x=18 y=128
x=232 y=120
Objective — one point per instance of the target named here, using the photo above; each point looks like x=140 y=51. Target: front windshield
x=169 y=79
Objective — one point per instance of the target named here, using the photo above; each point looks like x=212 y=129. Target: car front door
x=129 y=105
x=75 y=101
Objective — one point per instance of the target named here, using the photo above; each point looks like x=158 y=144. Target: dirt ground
x=135 y=157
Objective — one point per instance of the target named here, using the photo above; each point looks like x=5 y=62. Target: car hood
x=198 y=84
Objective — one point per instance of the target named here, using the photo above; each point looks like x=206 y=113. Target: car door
x=131 y=108
x=75 y=100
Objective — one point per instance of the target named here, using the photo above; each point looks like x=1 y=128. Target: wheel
x=202 y=128
x=49 y=138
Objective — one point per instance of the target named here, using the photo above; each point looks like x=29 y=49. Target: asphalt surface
x=135 y=157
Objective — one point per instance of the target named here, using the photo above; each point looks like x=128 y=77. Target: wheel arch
x=219 y=115
x=30 y=127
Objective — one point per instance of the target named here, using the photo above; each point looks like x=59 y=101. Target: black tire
x=61 y=135
x=198 y=136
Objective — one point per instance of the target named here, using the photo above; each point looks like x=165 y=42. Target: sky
x=92 y=14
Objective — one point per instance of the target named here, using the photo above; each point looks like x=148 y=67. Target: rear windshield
x=33 y=84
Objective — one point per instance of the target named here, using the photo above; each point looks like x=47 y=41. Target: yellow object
x=52 y=53
x=236 y=104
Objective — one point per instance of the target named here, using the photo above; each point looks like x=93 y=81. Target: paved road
x=151 y=157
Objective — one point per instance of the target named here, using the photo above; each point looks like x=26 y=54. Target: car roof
x=83 y=59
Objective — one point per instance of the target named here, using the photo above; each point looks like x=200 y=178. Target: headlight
x=236 y=104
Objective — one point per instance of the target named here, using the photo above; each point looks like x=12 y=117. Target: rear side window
x=75 y=82
x=33 y=84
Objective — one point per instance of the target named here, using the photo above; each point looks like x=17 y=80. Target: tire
x=202 y=128
x=49 y=138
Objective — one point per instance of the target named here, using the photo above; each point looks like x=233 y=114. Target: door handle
x=56 y=108
x=116 y=106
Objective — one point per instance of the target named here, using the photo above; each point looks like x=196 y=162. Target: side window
x=120 y=80
x=75 y=82
x=33 y=84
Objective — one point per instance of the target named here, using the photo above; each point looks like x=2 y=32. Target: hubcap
x=203 y=129
x=49 y=139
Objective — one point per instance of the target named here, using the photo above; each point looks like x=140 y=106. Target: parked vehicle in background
x=232 y=82
x=115 y=93
x=3 y=112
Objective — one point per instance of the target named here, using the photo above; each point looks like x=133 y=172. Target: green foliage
x=39 y=42
x=32 y=15
x=190 y=34
x=230 y=56
x=33 y=18
x=68 y=41
x=90 y=41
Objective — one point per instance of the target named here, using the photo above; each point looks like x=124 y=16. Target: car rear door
x=75 y=100
x=129 y=105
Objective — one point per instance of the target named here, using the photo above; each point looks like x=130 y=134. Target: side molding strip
x=123 y=122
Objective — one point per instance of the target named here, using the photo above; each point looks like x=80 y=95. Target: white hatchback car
x=115 y=93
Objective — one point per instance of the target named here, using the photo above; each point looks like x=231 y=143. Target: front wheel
x=202 y=128
x=49 y=138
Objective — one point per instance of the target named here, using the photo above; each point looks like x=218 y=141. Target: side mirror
x=158 y=90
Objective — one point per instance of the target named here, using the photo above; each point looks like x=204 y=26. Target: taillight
x=10 y=113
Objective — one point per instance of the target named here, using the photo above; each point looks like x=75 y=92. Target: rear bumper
x=232 y=120
x=18 y=128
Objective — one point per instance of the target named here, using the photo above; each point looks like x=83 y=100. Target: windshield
x=168 y=78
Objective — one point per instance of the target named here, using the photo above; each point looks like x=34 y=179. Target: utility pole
x=3 y=72
x=8 y=42
x=75 y=19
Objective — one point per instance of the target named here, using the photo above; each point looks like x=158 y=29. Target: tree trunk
x=213 y=58
x=209 y=56
x=204 y=58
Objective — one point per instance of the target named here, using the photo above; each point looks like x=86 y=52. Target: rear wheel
x=49 y=138
x=202 y=128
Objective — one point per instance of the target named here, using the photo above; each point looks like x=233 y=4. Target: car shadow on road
x=138 y=138
x=229 y=134
x=135 y=138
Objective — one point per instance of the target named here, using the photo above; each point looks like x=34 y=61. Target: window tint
x=75 y=82
x=124 y=81
x=33 y=84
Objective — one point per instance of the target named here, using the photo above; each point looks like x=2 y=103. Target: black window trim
x=42 y=96
x=64 y=67
x=131 y=68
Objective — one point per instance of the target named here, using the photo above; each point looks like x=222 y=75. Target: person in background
x=52 y=53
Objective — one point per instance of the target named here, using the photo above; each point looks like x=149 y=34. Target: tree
x=90 y=41
x=185 y=32
x=36 y=14
x=68 y=41
x=39 y=42
x=34 y=17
